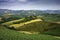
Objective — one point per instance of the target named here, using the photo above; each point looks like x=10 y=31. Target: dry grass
x=11 y=22
x=26 y=32
x=25 y=23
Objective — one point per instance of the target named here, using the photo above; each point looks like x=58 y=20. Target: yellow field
x=26 y=32
x=11 y=22
x=0 y=19
x=21 y=24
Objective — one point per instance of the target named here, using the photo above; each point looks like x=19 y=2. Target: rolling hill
x=7 y=34
x=35 y=26
x=29 y=28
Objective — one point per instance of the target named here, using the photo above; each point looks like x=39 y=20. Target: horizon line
x=30 y=9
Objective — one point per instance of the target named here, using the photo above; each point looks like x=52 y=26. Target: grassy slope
x=7 y=34
x=34 y=26
x=37 y=26
x=54 y=31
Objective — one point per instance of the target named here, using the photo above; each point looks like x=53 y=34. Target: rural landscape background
x=29 y=19
x=29 y=24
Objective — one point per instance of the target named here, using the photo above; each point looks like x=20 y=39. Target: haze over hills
x=2 y=11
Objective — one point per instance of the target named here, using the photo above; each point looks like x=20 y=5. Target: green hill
x=35 y=29
x=7 y=34
x=54 y=31
x=36 y=25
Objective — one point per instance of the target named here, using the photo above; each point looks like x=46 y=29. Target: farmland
x=40 y=26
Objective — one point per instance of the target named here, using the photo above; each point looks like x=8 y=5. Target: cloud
x=30 y=4
x=23 y=0
x=2 y=1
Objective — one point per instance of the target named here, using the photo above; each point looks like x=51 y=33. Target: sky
x=30 y=4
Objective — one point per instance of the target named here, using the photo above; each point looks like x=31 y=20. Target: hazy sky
x=30 y=4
